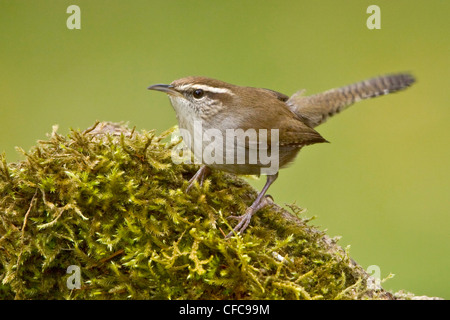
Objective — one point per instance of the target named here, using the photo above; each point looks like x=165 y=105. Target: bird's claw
x=244 y=220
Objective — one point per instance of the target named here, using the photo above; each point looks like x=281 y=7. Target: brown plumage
x=316 y=109
x=221 y=107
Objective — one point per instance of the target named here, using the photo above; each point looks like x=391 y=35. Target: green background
x=383 y=182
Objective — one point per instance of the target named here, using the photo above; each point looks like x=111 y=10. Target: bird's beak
x=167 y=88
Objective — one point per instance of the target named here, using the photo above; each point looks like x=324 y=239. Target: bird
x=228 y=125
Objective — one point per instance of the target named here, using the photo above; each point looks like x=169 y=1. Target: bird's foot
x=244 y=220
x=199 y=176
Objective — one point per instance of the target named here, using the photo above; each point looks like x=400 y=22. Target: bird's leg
x=258 y=204
x=199 y=176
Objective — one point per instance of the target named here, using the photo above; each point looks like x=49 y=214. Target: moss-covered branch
x=110 y=201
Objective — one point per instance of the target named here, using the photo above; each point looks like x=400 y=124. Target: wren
x=246 y=126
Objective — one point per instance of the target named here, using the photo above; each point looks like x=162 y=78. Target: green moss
x=110 y=201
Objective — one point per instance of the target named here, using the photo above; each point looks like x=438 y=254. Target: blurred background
x=382 y=184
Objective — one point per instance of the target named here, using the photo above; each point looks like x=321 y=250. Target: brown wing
x=266 y=109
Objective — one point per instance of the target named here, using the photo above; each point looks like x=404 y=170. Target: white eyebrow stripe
x=205 y=88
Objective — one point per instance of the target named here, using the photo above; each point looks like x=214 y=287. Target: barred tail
x=317 y=108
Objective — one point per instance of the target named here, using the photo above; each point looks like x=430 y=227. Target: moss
x=110 y=200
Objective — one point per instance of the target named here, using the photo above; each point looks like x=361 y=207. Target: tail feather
x=316 y=109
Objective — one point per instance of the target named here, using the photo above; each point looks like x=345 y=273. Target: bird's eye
x=198 y=93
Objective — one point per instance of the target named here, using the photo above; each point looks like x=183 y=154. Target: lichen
x=111 y=201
